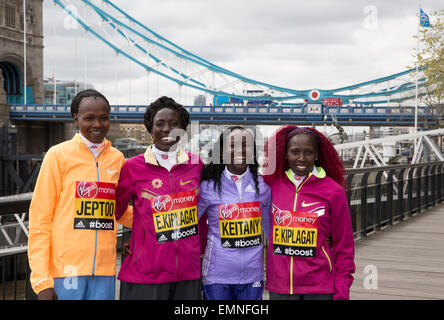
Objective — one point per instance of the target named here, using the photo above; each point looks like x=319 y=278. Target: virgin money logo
x=162 y=203
x=229 y=211
x=87 y=189
x=282 y=218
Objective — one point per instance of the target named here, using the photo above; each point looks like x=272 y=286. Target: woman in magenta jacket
x=306 y=177
x=163 y=184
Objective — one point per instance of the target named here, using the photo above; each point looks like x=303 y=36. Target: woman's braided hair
x=88 y=93
x=215 y=168
x=276 y=149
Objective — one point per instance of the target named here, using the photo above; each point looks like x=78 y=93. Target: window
x=21 y=22
x=10 y=16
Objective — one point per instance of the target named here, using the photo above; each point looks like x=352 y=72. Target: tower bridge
x=252 y=114
x=398 y=194
x=385 y=101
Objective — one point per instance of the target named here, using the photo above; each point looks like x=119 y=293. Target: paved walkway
x=404 y=261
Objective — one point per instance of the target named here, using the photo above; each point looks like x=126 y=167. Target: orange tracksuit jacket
x=72 y=229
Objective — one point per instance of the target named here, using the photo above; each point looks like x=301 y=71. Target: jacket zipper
x=175 y=242
x=139 y=252
x=152 y=193
x=328 y=258
x=96 y=160
x=294 y=209
x=140 y=249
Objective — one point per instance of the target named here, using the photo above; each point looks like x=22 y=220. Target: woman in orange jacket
x=72 y=229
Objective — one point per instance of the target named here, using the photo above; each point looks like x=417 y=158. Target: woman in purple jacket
x=238 y=203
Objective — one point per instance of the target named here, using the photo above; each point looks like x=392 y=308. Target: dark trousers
x=278 y=296
x=181 y=290
x=221 y=291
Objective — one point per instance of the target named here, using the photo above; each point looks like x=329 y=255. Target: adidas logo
x=249 y=188
x=277 y=250
x=257 y=284
x=162 y=238
x=226 y=244
x=79 y=225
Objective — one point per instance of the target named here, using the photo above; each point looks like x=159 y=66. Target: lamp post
x=24 y=51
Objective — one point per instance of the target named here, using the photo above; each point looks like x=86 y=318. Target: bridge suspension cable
x=135 y=41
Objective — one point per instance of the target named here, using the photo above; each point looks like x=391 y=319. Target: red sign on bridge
x=332 y=102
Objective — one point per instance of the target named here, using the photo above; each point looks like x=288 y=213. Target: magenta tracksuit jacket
x=165 y=243
x=309 y=265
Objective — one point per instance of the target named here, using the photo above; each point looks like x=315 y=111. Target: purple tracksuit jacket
x=222 y=263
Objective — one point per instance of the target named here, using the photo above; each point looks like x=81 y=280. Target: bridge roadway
x=407 y=258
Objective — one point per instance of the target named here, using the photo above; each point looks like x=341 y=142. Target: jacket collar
x=318 y=173
x=247 y=177
x=79 y=139
x=150 y=158
x=228 y=174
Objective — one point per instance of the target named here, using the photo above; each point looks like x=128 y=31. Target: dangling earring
x=150 y=140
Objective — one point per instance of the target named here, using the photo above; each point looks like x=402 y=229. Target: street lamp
x=24 y=51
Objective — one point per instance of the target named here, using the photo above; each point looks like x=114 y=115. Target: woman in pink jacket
x=306 y=177
x=163 y=185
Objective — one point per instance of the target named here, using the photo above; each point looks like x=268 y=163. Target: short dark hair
x=162 y=103
x=88 y=93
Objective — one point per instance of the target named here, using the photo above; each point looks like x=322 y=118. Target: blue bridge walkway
x=259 y=114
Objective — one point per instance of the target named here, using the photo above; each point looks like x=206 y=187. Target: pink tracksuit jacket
x=299 y=260
x=165 y=242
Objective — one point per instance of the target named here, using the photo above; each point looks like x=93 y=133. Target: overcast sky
x=321 y=44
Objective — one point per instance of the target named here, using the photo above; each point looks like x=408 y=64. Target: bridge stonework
x=37 y=136
x=11 y=44
x=4 y=109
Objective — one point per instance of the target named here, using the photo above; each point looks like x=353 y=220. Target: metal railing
x=14 y=269
x=381 y=196
x=378 y=197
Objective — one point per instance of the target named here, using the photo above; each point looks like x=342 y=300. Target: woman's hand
x=47 y=294
x=126 y=250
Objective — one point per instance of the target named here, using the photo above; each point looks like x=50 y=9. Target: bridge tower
x=11 y=54
x=34 y=137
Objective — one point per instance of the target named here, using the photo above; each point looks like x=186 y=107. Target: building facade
x=12 y=87
x=62 y=92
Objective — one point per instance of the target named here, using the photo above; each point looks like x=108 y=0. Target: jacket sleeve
x=204 y=200
x=202 y=207
x=127 y=217
x=203 y=233
x=342 y=246
x=41 y=213
x=266 y=211
x=124 y=194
